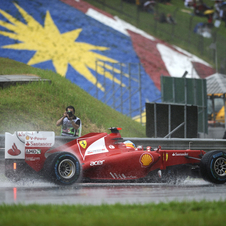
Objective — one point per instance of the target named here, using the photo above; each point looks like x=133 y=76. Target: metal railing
x=165 y=143
x=122 y=91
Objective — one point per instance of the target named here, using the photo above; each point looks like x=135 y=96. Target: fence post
x=173 y=25
x=130 y=100
x=104 y=83
x=138 y=11
x=214 y=47
x=155 y=20
x=113 y=85
x=204 y=119
x=155 y=119
x=121 y=3
x=185 y=107
x=96 y=79
x=140 y=93
x=169 y=120
x=223 y=66
x=215 y=52
x=104 y=5
x=190 y=30
x=121 y=88
x=200 y=43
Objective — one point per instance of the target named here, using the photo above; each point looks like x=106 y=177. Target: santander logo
x=14 y=151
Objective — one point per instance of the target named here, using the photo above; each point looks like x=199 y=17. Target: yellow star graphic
x=62 y=49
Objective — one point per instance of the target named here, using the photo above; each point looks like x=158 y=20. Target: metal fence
x=122 y=90
x=212 y=49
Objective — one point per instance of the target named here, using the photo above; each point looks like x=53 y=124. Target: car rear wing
x=21 y=142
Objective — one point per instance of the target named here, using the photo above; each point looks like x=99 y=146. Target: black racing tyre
x=62 y=168
x=213 y=167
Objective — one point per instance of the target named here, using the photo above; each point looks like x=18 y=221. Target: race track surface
x=41 y=192
x=37 y=191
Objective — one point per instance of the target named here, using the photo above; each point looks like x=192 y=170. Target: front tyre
x=62 y=168
x=213 y=167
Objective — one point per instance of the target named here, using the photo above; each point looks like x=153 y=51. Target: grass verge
x=37 y=106
x=186 y=213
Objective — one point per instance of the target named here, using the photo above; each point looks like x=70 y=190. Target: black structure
x=171 y=120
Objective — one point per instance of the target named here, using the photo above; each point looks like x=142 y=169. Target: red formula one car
x=105 y=157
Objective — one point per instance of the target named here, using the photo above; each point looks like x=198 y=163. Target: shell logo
x=27 y=137
x=146 y=160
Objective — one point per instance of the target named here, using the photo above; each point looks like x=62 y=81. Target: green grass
x=176 y=214
x=37 y=106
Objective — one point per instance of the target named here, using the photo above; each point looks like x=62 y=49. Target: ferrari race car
x=105 y=157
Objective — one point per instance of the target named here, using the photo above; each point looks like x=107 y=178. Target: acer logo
x=14 y=151
x=97 y=163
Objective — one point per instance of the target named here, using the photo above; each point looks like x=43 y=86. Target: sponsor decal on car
x=146 y=160
x=165 y=157
x=97 y=163
x=97 y=147
x=32 y=159
x=121 y=176
x=33 y=151
x=14 y=150
x=179 y=154
x=83 y=143
x=111 y=146
x=22 y=133
x=92 y=152
x=35 y=138
x=33 y=144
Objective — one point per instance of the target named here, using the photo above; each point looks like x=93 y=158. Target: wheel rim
x=66 y=169
x=220 y=166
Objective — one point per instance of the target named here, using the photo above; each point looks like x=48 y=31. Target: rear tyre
x=213 y=167
x=62 y=168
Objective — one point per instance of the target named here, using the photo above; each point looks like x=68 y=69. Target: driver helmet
x=129 y=144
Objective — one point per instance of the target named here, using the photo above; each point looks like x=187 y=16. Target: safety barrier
x=165 y=143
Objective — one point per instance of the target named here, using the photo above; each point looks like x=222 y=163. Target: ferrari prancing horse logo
x=83 y=143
